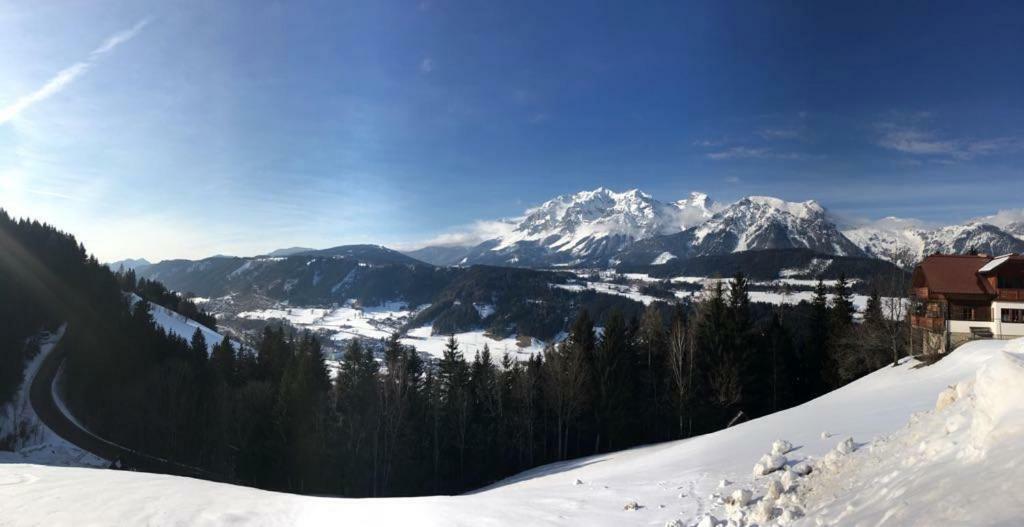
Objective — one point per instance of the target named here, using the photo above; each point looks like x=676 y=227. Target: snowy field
x=346 y=322
x=632 y=292
x=470 y=342
x=898 y=447
x=380 y=322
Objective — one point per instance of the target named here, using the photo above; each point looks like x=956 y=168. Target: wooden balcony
x=929 y=323
x=1011 y=295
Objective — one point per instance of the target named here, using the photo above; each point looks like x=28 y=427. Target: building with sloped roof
x=963 y=297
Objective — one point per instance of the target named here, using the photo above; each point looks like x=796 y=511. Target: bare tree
x=564 y=382
x=681 y=355
x=897 y=300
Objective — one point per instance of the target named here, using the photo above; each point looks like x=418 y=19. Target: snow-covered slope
x=179 y=325
x=761 y=222
x=588 y=227
x=906 y=464
x=752 y=223
x=901 y=242
x=981 y=237
x=958 y=464
x=897 y=240
x=1016 y=229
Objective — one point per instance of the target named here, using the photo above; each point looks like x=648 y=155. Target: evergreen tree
x=817 y=344
x=222 y=360
x=777 y=349
x=842 y=303
x=651 y=347
x=715 y=340
x=484 y=415
x=873 y=311
x=198 y=347
x=302 y=416
x=356 y=396
x=742 y=350
x=453 y=380
x=739 y=302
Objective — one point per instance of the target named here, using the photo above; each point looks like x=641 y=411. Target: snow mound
x=769 y=463
x=956 y=464
x=999 y=404
x=781 y=446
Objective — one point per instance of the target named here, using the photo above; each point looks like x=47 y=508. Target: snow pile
x=956 y=464
x=769 y=463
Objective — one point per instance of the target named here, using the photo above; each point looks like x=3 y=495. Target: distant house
x=959 y=297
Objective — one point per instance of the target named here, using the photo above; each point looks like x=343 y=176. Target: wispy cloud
x=66 y=76
x=746 y=152
x=888 y=223
x=539 y=118
x=472 y=234
x=922 y=142
x=1004 y=217
x=783 y=133
x=709 y=143
x=427 y=65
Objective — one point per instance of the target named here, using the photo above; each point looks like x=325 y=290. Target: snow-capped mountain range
x=899 y=242
x=752 y=223
x=602 y=227
x=587 y=228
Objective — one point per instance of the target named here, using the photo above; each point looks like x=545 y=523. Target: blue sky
x=198 y=128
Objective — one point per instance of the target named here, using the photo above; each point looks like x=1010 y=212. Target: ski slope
x=906 y=463
x=177 y=324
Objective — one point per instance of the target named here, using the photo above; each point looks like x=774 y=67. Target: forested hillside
x=273 y=417
x=32 y=299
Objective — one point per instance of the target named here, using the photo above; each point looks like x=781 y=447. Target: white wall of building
x=1004 y=328
x=964 y=326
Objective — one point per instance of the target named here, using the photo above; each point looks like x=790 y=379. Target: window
x=1015 y=316
x=973 y=313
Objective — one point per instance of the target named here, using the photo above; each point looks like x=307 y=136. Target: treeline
x=29 y=302
x=397 y=425
x=157 y=293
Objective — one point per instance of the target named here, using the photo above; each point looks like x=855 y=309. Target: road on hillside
x=41 y=396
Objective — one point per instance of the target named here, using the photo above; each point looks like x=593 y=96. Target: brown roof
x=947 y=274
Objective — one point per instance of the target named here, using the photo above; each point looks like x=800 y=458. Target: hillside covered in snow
x=906 y=445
